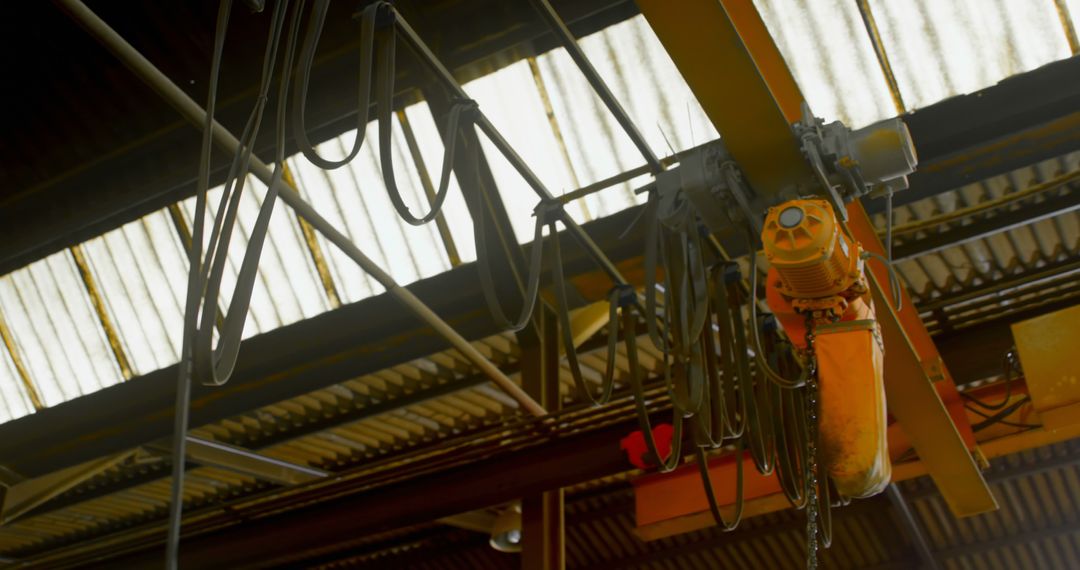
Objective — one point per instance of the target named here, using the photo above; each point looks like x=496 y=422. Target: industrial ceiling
x=334 y=378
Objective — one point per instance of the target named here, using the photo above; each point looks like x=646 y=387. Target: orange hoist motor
x=816 y=285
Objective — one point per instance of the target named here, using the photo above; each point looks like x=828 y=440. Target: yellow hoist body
x=816 y=285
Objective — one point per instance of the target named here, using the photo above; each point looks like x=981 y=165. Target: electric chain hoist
x=808 y=407
x=816 y=285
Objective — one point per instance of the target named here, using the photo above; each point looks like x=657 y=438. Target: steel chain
x=811 y=475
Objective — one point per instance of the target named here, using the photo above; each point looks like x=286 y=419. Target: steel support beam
x=249 y=541
x=913 y=397
x=718 y=44
x=543 y=517
x=1023 y=120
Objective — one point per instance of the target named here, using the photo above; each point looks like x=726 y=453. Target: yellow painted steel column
x=727 y=57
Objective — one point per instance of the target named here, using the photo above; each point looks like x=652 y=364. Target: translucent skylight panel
x=1073 y=6
x=287 y=287
x=596 y=143
x=431 y=149
x=56 y=330
x=510 y=100
x=317 y=186
x=941 y=48
x=827 y=49
x=646 y=82
x=354 y=198
x=638 y=71
x=141 y=272
x=14 y=402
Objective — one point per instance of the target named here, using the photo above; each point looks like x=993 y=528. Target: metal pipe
x=493 y=135
x=883 y=58
x=197 y=115
x=570 y=43
x=613 y=180
x=1067 y=25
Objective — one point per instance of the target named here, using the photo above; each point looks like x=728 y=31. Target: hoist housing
x=816 y=265
x=816 y=284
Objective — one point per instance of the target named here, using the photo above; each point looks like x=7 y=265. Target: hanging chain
x=811 y=475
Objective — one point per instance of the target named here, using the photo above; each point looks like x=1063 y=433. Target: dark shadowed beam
x=563 y=461
x=1020 y=121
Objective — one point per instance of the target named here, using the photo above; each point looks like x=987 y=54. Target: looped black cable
x=487 y=280
x=461 y=116
x=1010 y=367
x=710 y=492
x=762 y=440
x=651 y=238
x=214 y=366
x=619 y=297
x=303 y=78
x=675 y=455
x=755 y=337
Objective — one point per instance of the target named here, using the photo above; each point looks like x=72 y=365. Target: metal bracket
x=708 y=185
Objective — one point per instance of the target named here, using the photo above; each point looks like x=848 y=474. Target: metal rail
x=481 y=121
x=596 y=82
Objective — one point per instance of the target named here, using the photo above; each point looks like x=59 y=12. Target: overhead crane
x=783 y=180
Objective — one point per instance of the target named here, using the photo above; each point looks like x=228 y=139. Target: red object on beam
x=638 y=452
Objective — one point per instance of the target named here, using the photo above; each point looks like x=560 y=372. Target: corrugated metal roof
x=1047 y=242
